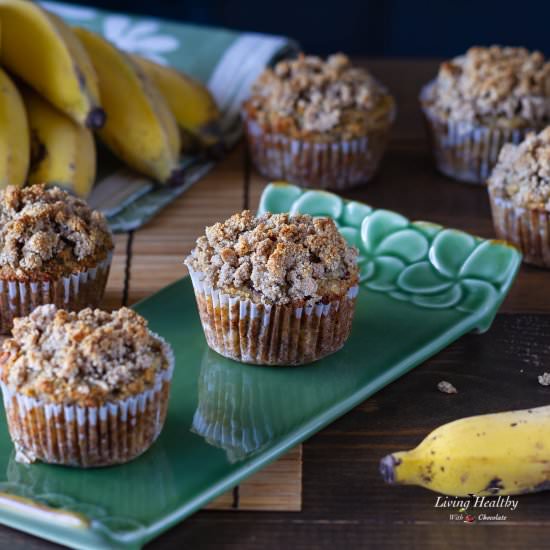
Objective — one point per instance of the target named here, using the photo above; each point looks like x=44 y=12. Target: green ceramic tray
x=422 y=287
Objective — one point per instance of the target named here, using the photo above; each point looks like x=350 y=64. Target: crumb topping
x=522 y=173
x=50 y=232
x=88 y=358
x=504 y=85
x=276 y=258
x=307 y=97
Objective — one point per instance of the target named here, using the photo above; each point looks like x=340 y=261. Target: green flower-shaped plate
x=422 y=287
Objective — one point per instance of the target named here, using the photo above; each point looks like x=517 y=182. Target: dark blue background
x=368 y=27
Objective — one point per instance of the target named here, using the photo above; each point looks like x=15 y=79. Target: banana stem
x=388 y=464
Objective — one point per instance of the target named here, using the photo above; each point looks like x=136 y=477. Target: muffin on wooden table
x=318 y=123
x=482 y=100
x=519 y=189
x=279 y=289
x=53 y=249
x=84 y=389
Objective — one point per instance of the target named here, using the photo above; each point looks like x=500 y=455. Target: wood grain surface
x=344 y=501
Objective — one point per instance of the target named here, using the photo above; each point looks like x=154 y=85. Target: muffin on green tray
x=277 y=289
x=84 y=389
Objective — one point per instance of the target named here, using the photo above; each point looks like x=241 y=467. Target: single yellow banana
x=14 y=135
x=140 y=129
x=42 y=50
x=506 y=453
x=190 y=102
x=62 y=152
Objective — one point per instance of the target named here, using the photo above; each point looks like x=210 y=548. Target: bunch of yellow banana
x=191 y=103
x=73 y=81
x=14 y=134
x=41 y=50
x=506 y=453
x=140 y=128
x=62 y=152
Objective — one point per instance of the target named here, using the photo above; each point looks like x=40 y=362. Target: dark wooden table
x=345 y=503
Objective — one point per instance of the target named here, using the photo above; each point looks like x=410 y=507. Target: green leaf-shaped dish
x=422 y=287
x=416 y=262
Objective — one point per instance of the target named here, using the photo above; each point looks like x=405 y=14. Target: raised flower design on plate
x=139 y=37
x=418 y=262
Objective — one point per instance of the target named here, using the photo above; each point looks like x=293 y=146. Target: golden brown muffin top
x=522 y=173
x=86 y=358
x=311 y=98
x=46 y=233
x=276 y=258
x=494 y=85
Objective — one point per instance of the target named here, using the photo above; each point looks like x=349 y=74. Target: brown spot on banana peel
x=427 y=475
x=494 y=486
x=38 y=152
x=81 y=77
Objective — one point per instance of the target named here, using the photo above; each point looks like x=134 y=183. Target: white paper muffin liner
x=84 y=437
x=526 y=228
x=336 y=165
x=264 y=334
x=73 y=293
x=465 y=151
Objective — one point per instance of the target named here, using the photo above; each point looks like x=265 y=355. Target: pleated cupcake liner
x=336 y=165
x=85 y=437
x=74 y=292
x=465 y=151
x=526 y=228
x=263 y=334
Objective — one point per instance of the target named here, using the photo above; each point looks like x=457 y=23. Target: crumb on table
x=544 y=379
x=446 y=387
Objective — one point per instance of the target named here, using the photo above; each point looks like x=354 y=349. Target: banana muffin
x=482 y=100
x=318 y=123
x=53 y=249
x=278 y=289
x=86 y=388
x=519 y=189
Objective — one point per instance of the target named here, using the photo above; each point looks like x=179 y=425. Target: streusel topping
x=308 y=97
x=501 y=85
x=89 y=357
x=47 y=231
x=522 y=173
x=276 y=258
